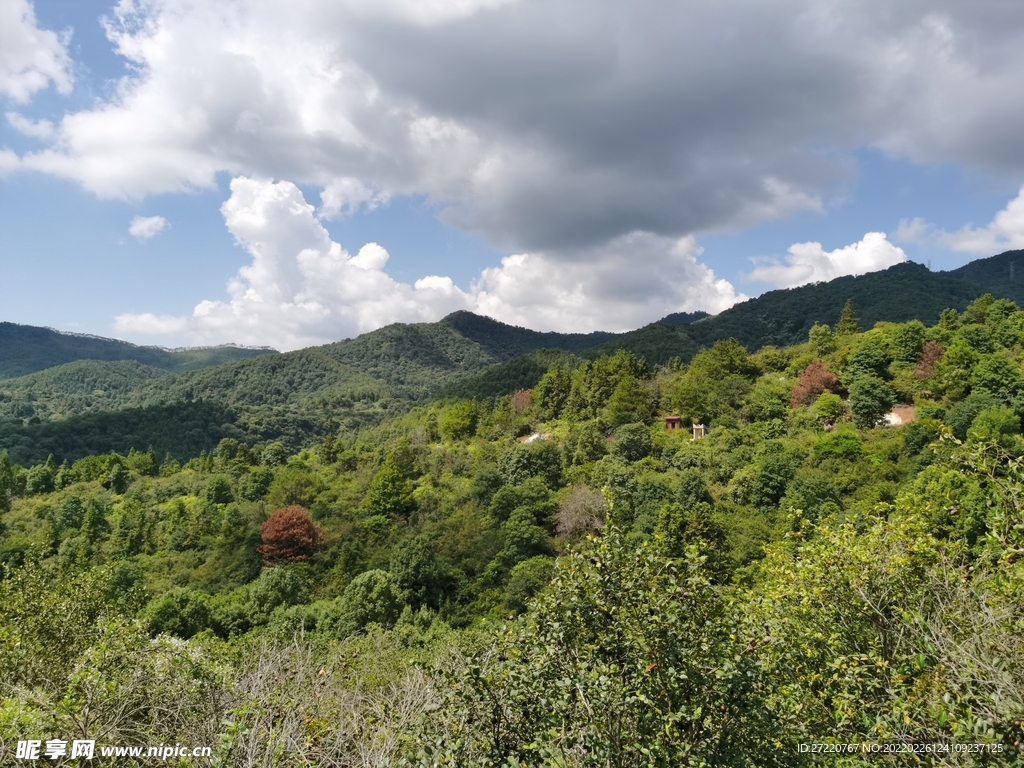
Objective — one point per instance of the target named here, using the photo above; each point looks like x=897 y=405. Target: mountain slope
x=1002 y=275
x=904 y=292
x=73 y=388
x=26 y=349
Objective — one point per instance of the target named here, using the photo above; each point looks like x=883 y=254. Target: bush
x=179 y=611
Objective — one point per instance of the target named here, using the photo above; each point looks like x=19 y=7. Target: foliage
x=847 y=323
x=814 y=380
x=289 y=535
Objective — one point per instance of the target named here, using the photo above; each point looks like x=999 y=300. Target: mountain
x=1002 y=275
x=26 y=349
x=293 y=396
x=296 y=396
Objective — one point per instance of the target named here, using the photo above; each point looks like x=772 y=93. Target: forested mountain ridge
x=294 y=395
x=26 y=349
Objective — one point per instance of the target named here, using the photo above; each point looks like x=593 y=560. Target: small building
x=673 y=422
x=699 y=430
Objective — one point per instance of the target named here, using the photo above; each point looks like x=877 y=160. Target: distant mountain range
x=25 y=349
x=57 y=387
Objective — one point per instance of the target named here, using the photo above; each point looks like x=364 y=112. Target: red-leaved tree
x=289 y=535
x=520 y=401
x=814 y=380
x=930 y=355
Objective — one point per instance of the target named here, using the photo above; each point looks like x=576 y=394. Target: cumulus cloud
x=633 y=280
x=548 y=126
x=1004 y=233
x=810 y=263
x=30 y=58
x=145 y=227
x=301 y=288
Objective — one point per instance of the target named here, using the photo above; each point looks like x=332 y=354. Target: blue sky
x=174 y=172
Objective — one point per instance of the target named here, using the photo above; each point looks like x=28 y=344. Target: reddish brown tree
x=520 y=401
x=930 y=355
x=814 y=380
x=289 y=535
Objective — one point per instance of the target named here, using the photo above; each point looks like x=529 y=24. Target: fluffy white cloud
x=633 y=280
x=1004 y=233
x=301 y=288
x=548 y=126
x=30 y=58
x=810 y=263
x=145 y=227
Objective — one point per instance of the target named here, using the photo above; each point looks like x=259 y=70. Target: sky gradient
x=177 y=172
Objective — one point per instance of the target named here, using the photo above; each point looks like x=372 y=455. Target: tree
x=822 y=339
x=389 y=492
x=636 y=663
x=908 y=341
x=218 y=490
x=458 y=421
x=179 y=611
x=289 y=535
x=520 y=402
x=632 y=442
x=828 y=409
x=930 y=355
x=870 y=399
x=6 y=481
x=868 y=359
x=255 y=485
x=580 y=511
x=630 y=402
x=552 y=392
x=814 y=380
x=538 y=459
x=847 y=325
x=372 y=597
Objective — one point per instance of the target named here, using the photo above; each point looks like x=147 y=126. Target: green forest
x=515 y=563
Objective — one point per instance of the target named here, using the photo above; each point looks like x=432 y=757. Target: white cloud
x=39 y=129
x=145 y=227
x=548 y=126
x=915 y=230
x=810 y=263
x=343 y=197
x=633 y=280
x=30 y=58
x=1004 y=233
x=301 y=288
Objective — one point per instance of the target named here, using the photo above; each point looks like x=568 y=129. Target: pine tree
x=847 y=324
x=389 y=492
